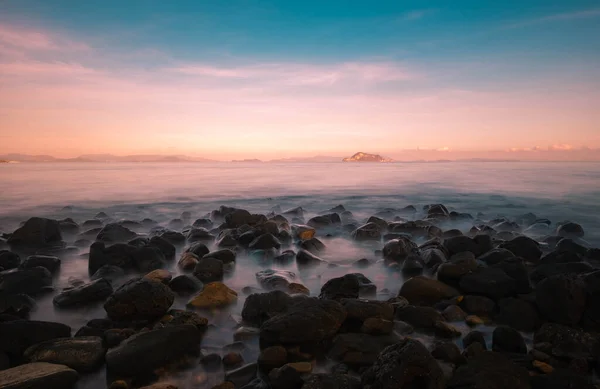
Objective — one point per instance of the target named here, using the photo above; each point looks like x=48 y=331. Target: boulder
x=561 y=299
x=225 y=255
x=120 y=255
x=159 y=275
x=38 y=375
x=514 y=268
x=285 y=377
x=474 y=337
x=272 y=358
x=323 y=221
x=447 y=352
x=214 y=295
x=490 y=282
x=459 y=265
x=180 y=317
x=29 y=281
x=37 y=232
x=139 y=299
x=91 y=292
x=478 y=245
x=562 y=379
x=399 y=249
x=271 y=279
x=454 y=313
x=489 y=370
x=49 y=262
x=426 y=291
x=331 y=381
x=303 y=232
x=305 y=259
x=166 y=247
x=544 y=271
x=361 y=310
x=110 y=273
x=508 y=340
x=568 y=342
x=242 y=376
x=519 y=314
x=188 y=261
x=359 y=350
x=265 y=242
x=424 y=318
x=84 y=354
x=18 y=305
x=405 y=364
x=149 y=350
x=567 y=245
x=148 y=258
x=369 y=231
x=9 y=260
x=570 y=230
x=17 y=335
x=432 y=257
x=312 y=245
x=524 y=247
x=260 y=307
x=342 y=287
x=184 y=285
x=209 y=269
x=115 y=233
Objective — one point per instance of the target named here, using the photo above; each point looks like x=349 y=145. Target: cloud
x=415 y=14
x=561 y=147
x=38 y=68
x=567 y=16
x=36 y=40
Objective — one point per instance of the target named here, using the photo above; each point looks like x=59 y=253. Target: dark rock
x=312 y=245
x=225 y=255
x=9 y=260
x=29 y=281
x=39 y=375
x=489 y=370
x=119 y=254
x=92 y=223
x=377 y=326
x=495 y=256
x=184 y=285
x=447 y=352
x=232 y=359
x=399 y=249
x=366 y=287
x=285 y=258
x=459 y=265
x=138 y=242
x=243 y=375
x=519 y=314
x=490 y=282
x=211 y=362
x=324 y=220
x=110 y=273
x=17 y=335
x=16 y=304
x=567 y=245
x=271 y=279
x=203 y=223
x=358 y=350
x=424 y=318
x=209 y=269
x=307 y=320
x=197 y=235
x=260 y=307
x=362 y=263
x=454 y=313
x=514 y=268
x=561 y=379
x=272 y=357
x=285 y=377
x=149 y=350
x=173 y=237
x=474 y=337
x=524 y=247
x=426 y=291
x=83 y=354
x=342 y=287
x=544 y=271
x=568 y=342
x=570 y=229
x=361 y=310
x=91 y=292
x=37 y=232
x=432 y=257
x=561 y=299
x=115 y=233
x=508 y=340
x=146 y=259
x=265 y=242
x=331 y=381
x=405 y=363
x=478 y=245
x=369 y=231
x=306 y=259
x=166 y=247
x=139 y=299
x=199 y=249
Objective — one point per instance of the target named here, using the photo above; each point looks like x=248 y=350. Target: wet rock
x=225 y=255
x=214 y=295
x=303 y=232
x=209 y=269
x=362 y=263
x=524 y=247
x=92 y=223
x=495 y=256
x=272 y=357
x=29 y=281
x=285 y=377
x=358 y=350
x=426 y=291
x=159 y=275
x=166 y=247
x=39 y=375
x=454 y=313
x=359 y=311
x=459 y=265
x=184 y=285
x=9 y=260
x=508 y=340
x=265 y=242
x=188 y=261
x=398 y=249
x=83 y=354
x=369 y=231
x=139 y=299
x=424 y=318
x=110 y=273
x=203 y=223
x=18 y=305
x=37 y=232
x=307 y=320
x=119 y=254
x=447 y=352
x=567 y=245
x=401 y=364
x=478 y=245
x=514 y=268
x=544 y=271
x=474 y=337
x=296 y=288
x=197 y=235
x=432 y=257
x=326 y=381
x=149 y=350
x=568 y=342
x=115 y=233
x=323 y=221
x=146 y=259
x=366 y=287
x=570 y=230
x=271 y=279
x=377 y=326
x=561 y=379
x=519 y=314
x=285 y=258
x=489 y=370
x=260 y=307
x=342 y=287
x=561 y=299
x=243 y=375
x=305 y=259
x=211 y=362
x=17 y=335
x=412 y=266
x=91 y=292
x=232 y=359
x=312 y=245
x=490 y=282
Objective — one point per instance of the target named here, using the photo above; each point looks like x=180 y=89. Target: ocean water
x=162 y=191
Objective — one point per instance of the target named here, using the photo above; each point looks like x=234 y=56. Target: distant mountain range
x=366 y=157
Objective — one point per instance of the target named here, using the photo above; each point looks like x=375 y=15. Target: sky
x=275 y=79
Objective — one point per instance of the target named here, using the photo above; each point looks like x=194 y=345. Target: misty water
x=162 y=191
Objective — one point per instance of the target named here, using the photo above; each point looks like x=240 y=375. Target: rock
x=115 y=233
x=402 y=365
x=454 y=313
x=146 y=259
x=108 y=272
x=260 y=307
x=84 y=354
x=146 y=351
x=358 y=350
x=285 y=377
x=243 y=375
x=366 y=287
x=119 y=254
x=424 y=318
x=489 y=370
x=478 y=305
x=567 y=342
x=561 y=299
x=312 y=245
x=459 y=265
x=514 y=268
x=447 y=352
x=265 y=242
x=307 y=320
x=17 y=335
x=544 y=271
x=519 y=314
x=184 y=285
x=225 y=255
x=139 y=299
x=474 y=337
x=18 y=305
x=159 y=275
x=399 y=249
x=166 y=247
x=369 y=231
x=272 y=357
x=161 y=385
x=342 y=287
x=271 y=279
x=377 y=326
x=478 y=245
x=9 y=260
x=362 y=263
x=490 y=282
x=211 y=362
x=209 y=269
x=561 y=379
x=303 y=232
x=37 y=232
x=181 y=317
x=91 y=292
x=305 y=259
x=426 y=291
x=331 y=381
x=39 y=375
x=296 y=288
x=567 y=245
x=323 y=221
x=188 y=261
x=29 y=281
x=524 y=247
x=232 y=359
x=285 y=258
x=214 y=295
x=570 y=230
x=543 y=367
x=432 y=257
x=358 y=311
x=508 y=340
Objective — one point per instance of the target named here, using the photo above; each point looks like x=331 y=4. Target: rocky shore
x=501 y=303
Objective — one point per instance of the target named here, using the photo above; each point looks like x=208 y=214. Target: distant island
x=365 y=157
x=247 y=160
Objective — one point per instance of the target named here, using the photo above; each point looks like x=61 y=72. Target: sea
x=557 y=191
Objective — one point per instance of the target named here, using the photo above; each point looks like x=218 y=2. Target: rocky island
x=365 y=157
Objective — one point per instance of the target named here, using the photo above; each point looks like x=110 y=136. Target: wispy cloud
x=36 y=40
x=415 y=14
x=566 y=16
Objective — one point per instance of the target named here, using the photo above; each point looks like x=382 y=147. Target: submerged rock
x=29 y=281
x=369 y=231
x=38 y=375
x=398 y=249
x=37 y=232
x=271 y=279
x=83 y=354
x=91 y=292
x=17 y=335
x=305 y=259
x=49 y=262
x=561 y=299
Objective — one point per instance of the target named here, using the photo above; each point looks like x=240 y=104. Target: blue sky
x=540 y=48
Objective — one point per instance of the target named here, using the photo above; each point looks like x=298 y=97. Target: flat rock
x=38 y=375
x=17 y=335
